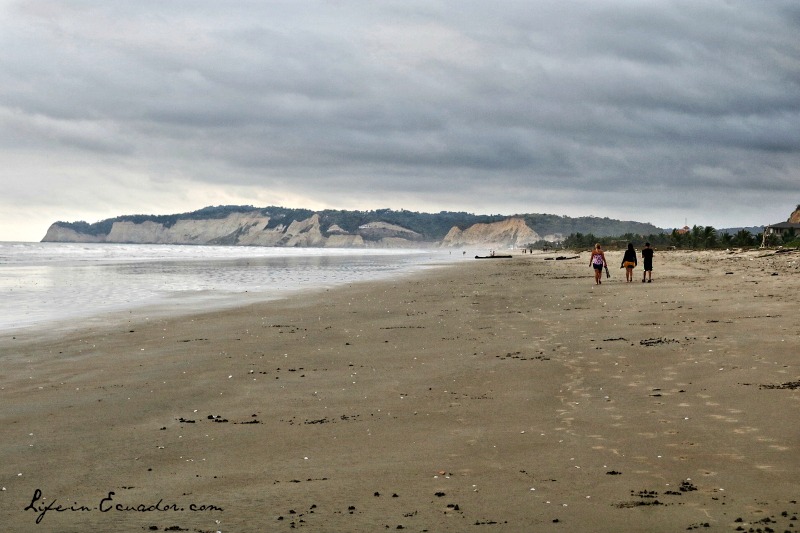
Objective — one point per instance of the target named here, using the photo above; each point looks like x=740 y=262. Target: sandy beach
x=489 y=396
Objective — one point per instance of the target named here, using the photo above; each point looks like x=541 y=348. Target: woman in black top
x=629 y=262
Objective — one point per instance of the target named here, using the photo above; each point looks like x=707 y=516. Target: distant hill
x=280 y=226
x=733 y=231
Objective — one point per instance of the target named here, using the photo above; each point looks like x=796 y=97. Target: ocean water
x=63 y=284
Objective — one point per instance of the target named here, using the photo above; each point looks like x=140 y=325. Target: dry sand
x=489 y=396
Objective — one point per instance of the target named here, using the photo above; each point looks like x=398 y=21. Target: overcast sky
x=656 y=111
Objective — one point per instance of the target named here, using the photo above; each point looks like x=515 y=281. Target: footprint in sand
x=764 y=439
x=724 y=418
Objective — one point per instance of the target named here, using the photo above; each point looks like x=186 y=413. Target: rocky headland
x=249 y=226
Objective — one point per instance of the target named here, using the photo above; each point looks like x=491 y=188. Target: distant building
x=780 y=229
x=683 y=230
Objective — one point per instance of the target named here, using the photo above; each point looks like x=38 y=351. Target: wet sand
x=488 y=396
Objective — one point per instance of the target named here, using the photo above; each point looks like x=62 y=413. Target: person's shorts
x=629 y=264
x=598 y=267
x=648 y=267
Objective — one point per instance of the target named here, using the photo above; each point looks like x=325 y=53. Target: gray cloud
x=658 y=108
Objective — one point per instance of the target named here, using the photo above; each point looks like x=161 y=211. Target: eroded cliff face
x=56 y=233
x=795 y=217
x=253 y=229
x=242 y=229
x=237 y=228
x=510 y=232
x=345 y=241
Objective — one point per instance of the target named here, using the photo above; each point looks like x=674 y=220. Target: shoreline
x=154 y=283
x=490 y=395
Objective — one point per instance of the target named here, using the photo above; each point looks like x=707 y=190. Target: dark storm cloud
x=541 y=101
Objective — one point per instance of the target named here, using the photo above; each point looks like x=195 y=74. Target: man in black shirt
x=647 y=259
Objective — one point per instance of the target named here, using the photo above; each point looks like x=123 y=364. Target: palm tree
x=743 y=238
x=709 y=237
x=676 y=239
x=696 y=236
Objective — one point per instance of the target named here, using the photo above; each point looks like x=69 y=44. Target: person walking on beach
x=647 y=259
x=629 y=262
x=598 y=261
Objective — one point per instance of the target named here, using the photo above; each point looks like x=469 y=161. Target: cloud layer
x=654 y=111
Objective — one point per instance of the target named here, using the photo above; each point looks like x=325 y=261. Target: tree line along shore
x=695 y=238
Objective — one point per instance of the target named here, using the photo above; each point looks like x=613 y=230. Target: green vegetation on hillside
x=549 y=224
x=432 y=226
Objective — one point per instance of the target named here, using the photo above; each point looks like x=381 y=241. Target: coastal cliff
x=385 y=228
x=512 y=232
x=236 y=229
x=253 y=229
x=794 y=218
